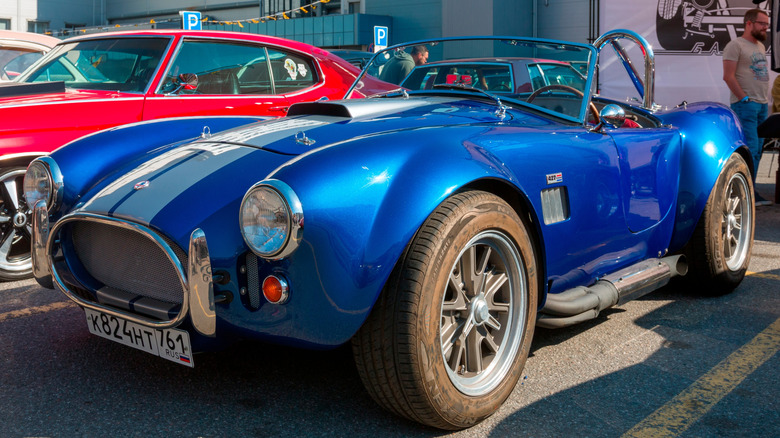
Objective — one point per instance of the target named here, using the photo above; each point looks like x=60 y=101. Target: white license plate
x=171 y=344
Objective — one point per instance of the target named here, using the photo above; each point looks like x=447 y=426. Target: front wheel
x=15 y=227
x=449 y=336
x=719 y=251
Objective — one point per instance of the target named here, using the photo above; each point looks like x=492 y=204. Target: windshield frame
x=589 y=78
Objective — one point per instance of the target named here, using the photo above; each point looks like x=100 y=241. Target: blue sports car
x=433 y=225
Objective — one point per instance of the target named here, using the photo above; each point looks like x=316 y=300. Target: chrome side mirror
x=612 y=115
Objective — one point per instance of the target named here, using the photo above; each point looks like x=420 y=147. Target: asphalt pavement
x=672 y=363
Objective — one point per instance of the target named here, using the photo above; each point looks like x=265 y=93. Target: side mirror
x=612 y=115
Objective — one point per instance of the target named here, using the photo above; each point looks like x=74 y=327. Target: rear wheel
x=450 y=334
x=720 y=249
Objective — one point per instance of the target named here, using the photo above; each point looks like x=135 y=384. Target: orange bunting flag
x=285 y=16
x=239 y=24
x=304 y=10
x=151 y=21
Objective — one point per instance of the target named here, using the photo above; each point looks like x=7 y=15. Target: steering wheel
x=593 y=110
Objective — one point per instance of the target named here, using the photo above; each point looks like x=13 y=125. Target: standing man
x=399 y=66
x=746 y=74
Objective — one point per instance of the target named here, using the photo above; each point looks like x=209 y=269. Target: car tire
x=719 y=251
x=15 y=227
x=456 y=380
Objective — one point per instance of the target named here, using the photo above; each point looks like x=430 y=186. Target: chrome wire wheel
x=483 y=313
x=736 y=222
x=15 y=227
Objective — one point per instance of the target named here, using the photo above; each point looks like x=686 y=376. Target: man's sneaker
x=761 y=201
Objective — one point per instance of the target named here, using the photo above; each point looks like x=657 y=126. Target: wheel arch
x=706 y=147
x=521 y=204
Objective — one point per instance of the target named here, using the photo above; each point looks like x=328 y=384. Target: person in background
x=747 y=76
x=399 y=66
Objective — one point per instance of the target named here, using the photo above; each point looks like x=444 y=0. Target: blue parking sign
x=190 y=20
x=381 y=36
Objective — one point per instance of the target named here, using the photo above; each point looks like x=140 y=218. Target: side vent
x=555 y=205
x=252 y=281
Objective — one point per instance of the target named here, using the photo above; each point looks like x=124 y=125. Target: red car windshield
x=118 y=64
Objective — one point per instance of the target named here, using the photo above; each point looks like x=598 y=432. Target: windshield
x=549 y=75
x=118 y=64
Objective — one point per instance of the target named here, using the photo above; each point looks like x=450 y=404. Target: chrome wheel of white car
x=719 y=252
x=449 y=336
x=15 y=227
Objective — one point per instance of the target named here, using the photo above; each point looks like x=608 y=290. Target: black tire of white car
x=719 y=251
x=15 y=227
x=445 y=349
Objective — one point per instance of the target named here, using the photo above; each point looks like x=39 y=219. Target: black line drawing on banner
x=701 y=26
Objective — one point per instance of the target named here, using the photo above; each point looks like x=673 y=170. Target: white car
x=19 y=50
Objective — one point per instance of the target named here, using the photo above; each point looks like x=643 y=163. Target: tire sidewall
x=713 y=235
x=488 y=213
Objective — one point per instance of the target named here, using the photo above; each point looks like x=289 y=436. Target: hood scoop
x=26 y=89
x=355 y=108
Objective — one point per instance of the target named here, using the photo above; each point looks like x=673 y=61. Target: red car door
x=234 y=77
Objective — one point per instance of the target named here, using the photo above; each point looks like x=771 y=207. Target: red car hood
x=69 y=95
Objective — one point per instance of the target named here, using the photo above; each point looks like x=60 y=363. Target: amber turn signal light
x=275 y=289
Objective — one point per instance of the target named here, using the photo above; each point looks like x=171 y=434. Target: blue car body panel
x=623 y=188
x=710 y=133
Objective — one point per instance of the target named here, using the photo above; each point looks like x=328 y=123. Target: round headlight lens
x=265 y=221
x=37 y=184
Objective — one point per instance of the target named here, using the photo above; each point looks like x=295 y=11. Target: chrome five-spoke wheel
x=483 y=304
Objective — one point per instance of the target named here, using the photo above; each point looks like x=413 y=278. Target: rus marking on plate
x=555 y=178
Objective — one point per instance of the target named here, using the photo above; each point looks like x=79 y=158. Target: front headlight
x=42 y=181
x=271 y=219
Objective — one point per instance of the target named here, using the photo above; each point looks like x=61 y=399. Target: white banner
x=687 y=37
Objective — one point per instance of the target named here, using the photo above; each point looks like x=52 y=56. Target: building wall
x=56 y=12
x=409 y=19
x=566 y=20
x=412 y=19
x=513 y=17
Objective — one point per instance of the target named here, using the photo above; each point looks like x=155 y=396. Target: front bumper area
x=87 y=277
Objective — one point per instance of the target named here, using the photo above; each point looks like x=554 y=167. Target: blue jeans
x=751 y=114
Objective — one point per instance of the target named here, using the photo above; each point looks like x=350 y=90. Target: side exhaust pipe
x=583 y=303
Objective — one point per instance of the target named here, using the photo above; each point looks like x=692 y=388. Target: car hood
x=201 y=184
x=42 y=96
x=316 y=124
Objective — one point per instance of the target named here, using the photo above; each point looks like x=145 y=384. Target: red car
x=98 y=81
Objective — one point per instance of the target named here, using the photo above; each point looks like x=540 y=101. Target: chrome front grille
x=126 y=260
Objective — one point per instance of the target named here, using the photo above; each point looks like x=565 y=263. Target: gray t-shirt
x=752 y=74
